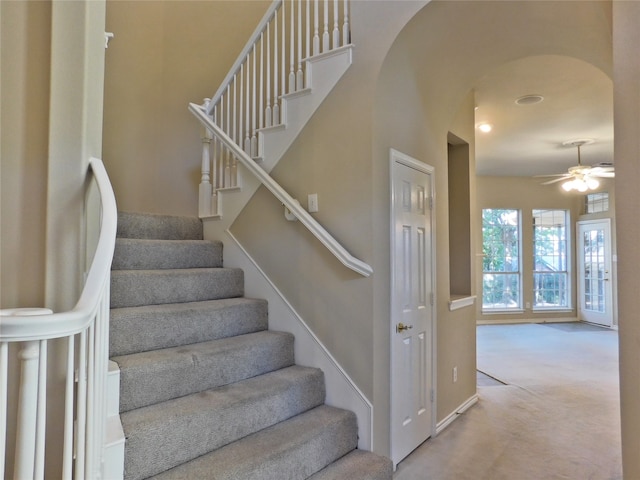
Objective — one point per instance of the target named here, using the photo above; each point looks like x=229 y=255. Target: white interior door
x=412 y=328
x=595 y=295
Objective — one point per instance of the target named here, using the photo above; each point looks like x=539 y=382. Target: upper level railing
x=271 y=65
x=85 y=330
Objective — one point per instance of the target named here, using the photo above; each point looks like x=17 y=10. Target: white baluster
x=316 y=34
x=336 y=31
x=307 y=30
x=283 y=78
x=267 y=113
x=325 y=33
x=228 y=126
x=41 y=414
x=247 y=138
x=276 y=102
x=241 y=125
x=27 y=405
x=345 y=24
x=261 y=109
x=216 y=182
x=67 y=462
x=235 y=109
x=91 y=404
x=299 y=75
x=81 y=407
x=292 y=75
x=254 y=138
x=4 y=377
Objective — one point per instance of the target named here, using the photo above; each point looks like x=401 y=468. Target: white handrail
x=21 y=328
x=86 y=323
x=307 y=220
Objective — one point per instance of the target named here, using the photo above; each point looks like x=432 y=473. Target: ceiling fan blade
x=602 y=174
x=549 y=182
x=553 y=175
x=602 y=169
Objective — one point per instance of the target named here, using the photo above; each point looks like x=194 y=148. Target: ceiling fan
x=581 y=177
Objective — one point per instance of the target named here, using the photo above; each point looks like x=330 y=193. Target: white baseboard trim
x=342 y=392
x=466 y=405
x=526 y=320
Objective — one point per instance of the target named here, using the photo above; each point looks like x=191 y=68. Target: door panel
x=411 y=309
x=595 y=293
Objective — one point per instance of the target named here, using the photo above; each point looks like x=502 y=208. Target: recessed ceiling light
x=485 y=127
x=529 y=99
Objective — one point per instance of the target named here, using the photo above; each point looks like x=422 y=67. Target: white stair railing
x=271 y=65
x=287 y=200
x=86 y=330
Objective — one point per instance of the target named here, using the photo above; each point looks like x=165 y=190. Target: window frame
x=491 y=309
x=567 y=272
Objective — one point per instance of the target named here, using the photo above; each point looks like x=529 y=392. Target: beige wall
x=626 y=77
x=165 y=54
x=25 y=57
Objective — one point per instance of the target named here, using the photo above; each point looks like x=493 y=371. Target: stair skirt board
x=204 y=388
x=309 y=350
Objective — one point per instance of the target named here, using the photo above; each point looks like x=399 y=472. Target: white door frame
x=399 y=158
x=609 y=315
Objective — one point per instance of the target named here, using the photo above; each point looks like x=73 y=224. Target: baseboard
x=342 y=391
x=508 y=321
x=466 y=405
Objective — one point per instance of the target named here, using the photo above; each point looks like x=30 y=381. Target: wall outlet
x=527 y=305
x=455 y=374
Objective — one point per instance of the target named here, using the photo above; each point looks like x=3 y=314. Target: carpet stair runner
x=206 y=390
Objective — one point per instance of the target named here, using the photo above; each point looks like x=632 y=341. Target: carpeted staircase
x=206 y=390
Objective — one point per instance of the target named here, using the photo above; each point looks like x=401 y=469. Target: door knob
x=401 y=327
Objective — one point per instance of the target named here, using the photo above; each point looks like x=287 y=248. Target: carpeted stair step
x=142 y=254
x=149 y=327
x=294 y=449
x=358 y=464
x=132 y=288
x=165 y=227
x=167 y=434
x=160 y=375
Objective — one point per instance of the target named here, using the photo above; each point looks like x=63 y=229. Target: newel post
x=205 y=190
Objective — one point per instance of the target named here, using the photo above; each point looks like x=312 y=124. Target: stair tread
x=166 y=434
x=151 y=225
x=358 y=464
x=318 y=436
x=150 y=254
x=148 y=327
x=160 y=375
x=130 y=288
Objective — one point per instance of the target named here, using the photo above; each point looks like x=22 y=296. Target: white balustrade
x=271 y=65
x=85 y=413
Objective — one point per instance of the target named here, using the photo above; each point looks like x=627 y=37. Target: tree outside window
x=501 y=262
x=550 y=262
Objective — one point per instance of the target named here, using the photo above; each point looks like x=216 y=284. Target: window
x=596 y=202
x=550 y=270
x=501 y=261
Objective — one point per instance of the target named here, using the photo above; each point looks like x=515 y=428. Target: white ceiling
x=527 y=140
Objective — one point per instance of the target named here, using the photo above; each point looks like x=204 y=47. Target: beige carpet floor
x=553 y=414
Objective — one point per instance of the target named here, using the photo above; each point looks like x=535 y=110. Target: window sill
x=460 y=301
